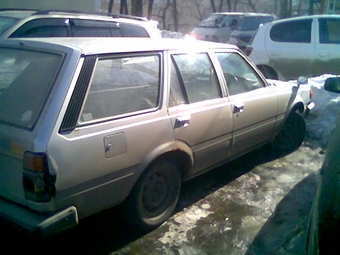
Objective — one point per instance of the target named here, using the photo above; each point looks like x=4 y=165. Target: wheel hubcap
x=155 y=192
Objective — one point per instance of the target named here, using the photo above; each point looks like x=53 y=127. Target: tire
x=154 y=197
x=292 y=134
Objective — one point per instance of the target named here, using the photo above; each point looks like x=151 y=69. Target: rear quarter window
x=26 y=79
x=329 y=31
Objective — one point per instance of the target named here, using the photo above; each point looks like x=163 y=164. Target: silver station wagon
x=87 y=124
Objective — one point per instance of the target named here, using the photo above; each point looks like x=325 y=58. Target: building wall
x=79 y=5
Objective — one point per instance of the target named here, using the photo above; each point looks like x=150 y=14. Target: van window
x=198 y=76
x=329 y=30
x=293 y=31
x=240 y=77
x=252 y=23
x=122 y=86
x=26 y=79
x=93 y=28
x=43 y=28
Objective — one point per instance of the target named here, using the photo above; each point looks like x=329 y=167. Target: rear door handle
x=182 y=121
x=239 y=107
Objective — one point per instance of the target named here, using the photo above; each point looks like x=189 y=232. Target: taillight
x=37 y=181
x=311 y=93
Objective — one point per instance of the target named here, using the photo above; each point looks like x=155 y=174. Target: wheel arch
x=178 y=152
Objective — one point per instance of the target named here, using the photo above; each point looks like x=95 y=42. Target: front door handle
x=239 y=107
x=182 y=121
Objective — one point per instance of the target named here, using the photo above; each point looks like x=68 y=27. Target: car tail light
x=311 y=93
x=38 y=183
x=248 y=50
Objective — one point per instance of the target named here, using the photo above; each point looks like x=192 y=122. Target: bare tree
x=123 y=7
x=109 y=10
x=137 y=7
x=174 y=7
x=150 y=5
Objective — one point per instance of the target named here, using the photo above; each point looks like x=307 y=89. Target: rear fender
x=179 y=151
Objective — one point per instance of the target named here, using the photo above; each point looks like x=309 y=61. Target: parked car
x=302 y=46
x=127 y=120
x=247 y=27
x=218 y=27
x=19 y=23
x=324 y=224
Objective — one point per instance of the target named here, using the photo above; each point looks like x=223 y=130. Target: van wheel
x=154 y=197
x=292 y=134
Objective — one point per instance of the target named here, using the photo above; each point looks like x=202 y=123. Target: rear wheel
x=292 y=134
x=154 y=197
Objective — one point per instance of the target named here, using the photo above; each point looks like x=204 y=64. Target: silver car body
x=34 y=23
x=67 y=163
x=302 y=46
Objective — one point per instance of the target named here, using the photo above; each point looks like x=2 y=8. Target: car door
x=253 y=101
x=200 y=115
x=290 y=47
x=327 y=46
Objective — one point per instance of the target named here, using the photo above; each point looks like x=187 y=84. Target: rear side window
x=129 y=30
x=93 y=28
x=43 y=28
x=293 y=31
x=26 y=79
x=329 y=30
x=122 y=86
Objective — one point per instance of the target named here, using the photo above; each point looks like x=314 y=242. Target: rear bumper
x=37 y=225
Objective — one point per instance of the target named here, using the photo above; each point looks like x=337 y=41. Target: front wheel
x=154 y=197
x=292 y=134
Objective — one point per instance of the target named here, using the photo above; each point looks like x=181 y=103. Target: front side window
x=293 y=31
x=329 y=31
x=122 y=86
x=198 y=76
x=26 y=79
x=240 y=77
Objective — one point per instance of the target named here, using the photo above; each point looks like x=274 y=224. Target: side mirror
x=332 y=84
x=302 y=80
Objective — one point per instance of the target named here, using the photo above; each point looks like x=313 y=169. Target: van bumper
x=37 y=225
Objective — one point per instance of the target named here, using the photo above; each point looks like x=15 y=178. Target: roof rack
x=17 y=9
x=42 y=12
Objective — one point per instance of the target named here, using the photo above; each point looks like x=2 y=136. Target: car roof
x=90 y=46
x=306 y=17
x=243 y=13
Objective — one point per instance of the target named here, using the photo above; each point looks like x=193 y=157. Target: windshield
x=218 y=20
x=252 y=23
x=6 y=23
x=26 y=78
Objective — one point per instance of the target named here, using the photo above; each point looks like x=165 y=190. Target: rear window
x=252 y=23
x=26 y=79
x=218 y=20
